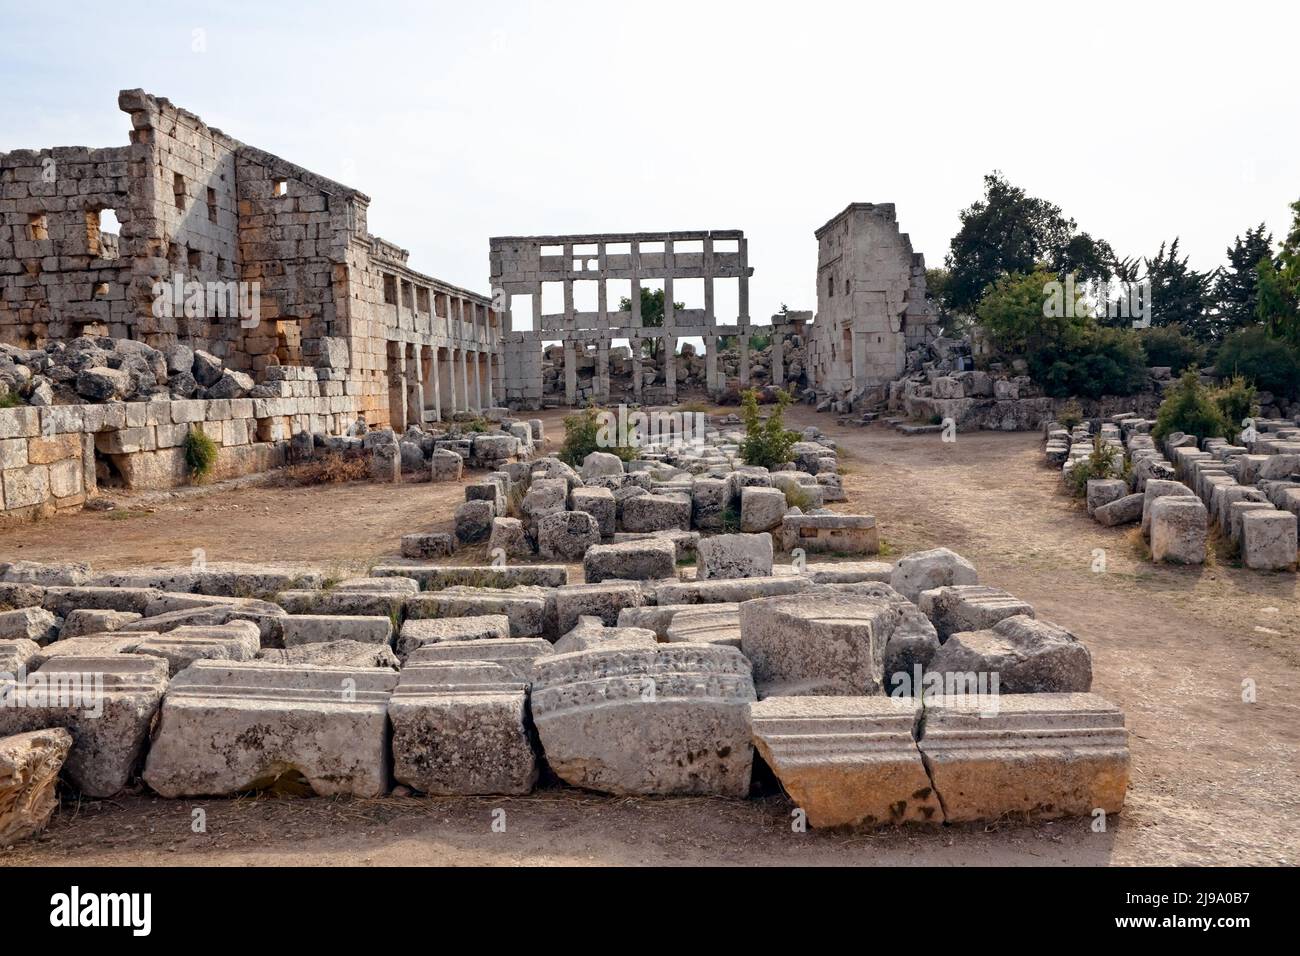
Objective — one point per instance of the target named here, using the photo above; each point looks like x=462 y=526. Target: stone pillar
x=742 y=348
x=636 y=366
x=670 y=358
x=602 y=370
x=570 y=374
x=415 y=384
x=452 y=403
x=435 y=374
x=778 y=356
x=478 y=381
x=464 y=380
x=711 y=365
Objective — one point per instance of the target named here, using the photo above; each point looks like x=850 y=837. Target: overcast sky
x=467 y=120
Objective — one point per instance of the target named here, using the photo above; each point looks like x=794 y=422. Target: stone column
x=570 y=374
x=435 y=375
x=452 y=403
x=778 y=356
x=670 y=359
x=602 y=370
x=464 y=379
x=711 y=364
x=415 y=383
x=636 y=366
x=478 y=380
x=742 y=348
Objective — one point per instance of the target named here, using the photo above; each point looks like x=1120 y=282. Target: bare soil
x=1214 y=778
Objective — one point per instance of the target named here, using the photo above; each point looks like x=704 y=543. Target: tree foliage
x=1278 y=305
x=1180 y=295
x=1168 y=346
x=652 y=314
x=1189 y=407
x=1237 y=287
x=767 y=441
x=1269 y=363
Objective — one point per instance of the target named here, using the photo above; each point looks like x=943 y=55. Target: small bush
x=582 y=436
x=1071 y=415
x=796 y=497
x=200 y=454
x=10 y=400
x=1236 y=399
x=767 y=441
x=1103 y=361
x=329 y=470
x=1167 y=346
x=731 y=520
x=1104 y=461
x=1271 y=364
x=1190 y=408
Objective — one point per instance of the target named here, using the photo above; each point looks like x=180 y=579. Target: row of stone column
x=462 y=381
x=713 y=382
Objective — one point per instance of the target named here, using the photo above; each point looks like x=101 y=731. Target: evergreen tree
x=1237 y=289
x=1180 y=295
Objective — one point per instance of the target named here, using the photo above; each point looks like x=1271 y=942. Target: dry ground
x=1214 y=778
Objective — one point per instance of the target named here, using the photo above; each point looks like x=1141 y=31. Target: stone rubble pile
x=877 y=693
x=1181 y=493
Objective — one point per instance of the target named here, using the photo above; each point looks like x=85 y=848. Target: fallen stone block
x=92 y=621
x=830 y=533
x=515 y=654
x=1102 y=491
x=1124 y=510
x=229 y=728
x=107 y=703
x=182 y=646
x=926 y=570
x=325 y=628
x=29 y=623
x=333 y=654
x=1017 y=655
x=509 y=538
x=726 y=556
x=600 y=504
x=685 y=542
x=710 y=499
x=1039 y=755
x=446 y=465
x=706 y=624
x=1178 y=529
x=566 y=535
x=726 y=590
x=424 y=545
x=64 y=601
x=1159 y=488
x=388 y=585
x=850 y=572
x=969 y=607
x=847 y=761
x=21 y=595
x=67 y=573
x=656 y=513
x=473 y=520
x=669 y=719
x=481 y=627
x=761 y=509
x=591 y=633
x=644 y=560
x=29 y=772
x=17 y=653
x=1237 y=511
x=1268 y=540
x=604 y=600
x=462 y=728
x=378 y=603
x=524 y=606
x=437 y=577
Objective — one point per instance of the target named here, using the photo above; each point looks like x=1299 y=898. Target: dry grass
x=330 y=469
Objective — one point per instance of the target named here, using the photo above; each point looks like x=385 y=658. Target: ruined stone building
x=871 y=303
x=569 y=289
x=393 y=344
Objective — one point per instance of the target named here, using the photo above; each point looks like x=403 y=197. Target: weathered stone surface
x=591 y=633
x=473 y=520
x=969 y=607
x=600 y=504
x=65 y=573
x=515 y=654
x=333 y=654
x=728 y=590
x=1237 y=512
x=435 y=577
x=685 y=542
x=601 y=463
x=925 y=570
x=233 y=727
x=423 y=545
x=1178 y=529
x=646 y=560
x=603 y=600
x=1044 y=755
x=446 y=465
x=847 y=761
x=93 y=621
x=668 y=719
x=850 y=572
x=1268 y=540
x=17 y=653
x=1159 y=488
x=710 y=499
x=1124 y=510
x=357 y=603
x=817 y=643
x=706 y=624
x=324 y=628
x=481 y=627
x=524 y=606
x=566 y=535
x=29 y=623
x=1028 y=657
x=656 y=513
x=29 y=773
x=735 y=556
x=830 y=533
x=462 y=728
x=1102 y=491
x=761 y=509
x=107 y=703
x=182 y=646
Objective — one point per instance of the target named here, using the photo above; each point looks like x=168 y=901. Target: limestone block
x=710 y=499
x=94 y=621
x=603 y=600
x=566 y=535
x=1028 y=657
x=29 y=623
x=591 y=633
x=847 y=761
x=433 y=577
x=600 y=504
x=728 y=590
x=1125 y=510
x=645 y=560
x=601 y=463
x=706 y=624
x=508 y=536
x=423 y=545
x=969 y=607
x=106 y=702
x=473 y=520
x=1102 y=491
x=524 y=606
x=685 y=542
x=446 y=465
x=1178 y=529
x=29 y=773
x=1044 y=755
x=761 y=509
x=850 y=572
x=735 y=556
x=1159 y=488
x=830 y=533
x=515 y=654
x=376 y=603
x=333 y=654
x=64 y=573
x=323 y=628
x=668 y=719
x=462 y=728
x=1237 y=511
x=925 y=570
x=656 y=513
x=17 y=653
x=1268 y=540
x=231 y=727
x=476 y=627
x=182 y=646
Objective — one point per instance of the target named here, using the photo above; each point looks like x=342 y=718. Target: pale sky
x=468 y=120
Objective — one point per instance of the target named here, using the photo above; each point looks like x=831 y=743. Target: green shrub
x=1104 y=461
x=200 y=453
x=1270 y=363
x=767 y=442
x=1189 y=407
x=10 y=400
x=1236 y=400
x=1101 y=361
x=1167 y=346
x=1071 y=415
x=582 y=436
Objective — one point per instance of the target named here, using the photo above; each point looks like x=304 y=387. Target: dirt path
x=1214 y=778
